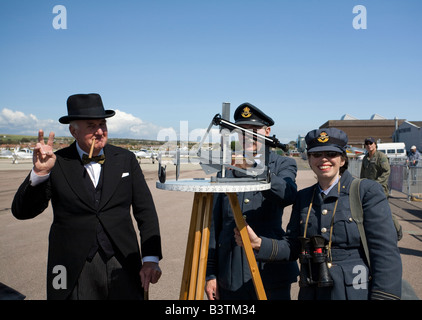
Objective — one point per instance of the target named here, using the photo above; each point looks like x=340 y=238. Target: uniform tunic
x=263 y=211
x=350 y=272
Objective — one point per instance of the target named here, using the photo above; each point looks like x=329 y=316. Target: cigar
x=92 y=148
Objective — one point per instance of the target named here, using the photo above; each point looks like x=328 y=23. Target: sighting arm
x=269 y=141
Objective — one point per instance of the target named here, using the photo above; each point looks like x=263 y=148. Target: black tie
x=99 y=159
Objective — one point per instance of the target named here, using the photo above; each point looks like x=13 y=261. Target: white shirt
x=93 y=168
x=326 y=192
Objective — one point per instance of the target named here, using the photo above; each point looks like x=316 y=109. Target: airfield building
x=382 y=129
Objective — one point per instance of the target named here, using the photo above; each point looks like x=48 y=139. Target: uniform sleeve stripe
x=380 y=295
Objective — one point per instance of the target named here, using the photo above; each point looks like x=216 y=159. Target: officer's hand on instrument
x=242 y=162
x=255 y=240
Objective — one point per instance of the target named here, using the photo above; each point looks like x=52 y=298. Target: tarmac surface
x=24 y=244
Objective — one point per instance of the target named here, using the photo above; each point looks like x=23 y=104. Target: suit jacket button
x=246 y=201
x=324 y=230
x=324 y=212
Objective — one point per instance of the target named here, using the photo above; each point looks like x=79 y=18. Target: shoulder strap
x=357 y=214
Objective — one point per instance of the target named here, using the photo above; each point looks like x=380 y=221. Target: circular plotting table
x=193 y=279
x=205 y=185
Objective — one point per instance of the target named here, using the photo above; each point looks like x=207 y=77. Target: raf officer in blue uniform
x=228 y=274
x=321 y=225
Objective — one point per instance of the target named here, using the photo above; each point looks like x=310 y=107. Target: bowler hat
x=247 y=113
x=85 y=106
x=329 y=139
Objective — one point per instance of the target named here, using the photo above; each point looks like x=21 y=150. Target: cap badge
x=323 y=137
x=246 y=112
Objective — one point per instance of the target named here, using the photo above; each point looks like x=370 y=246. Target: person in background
x=375 y=165
x=412 y=161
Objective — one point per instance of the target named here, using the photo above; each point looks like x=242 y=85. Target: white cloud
x=126 y=125
x=14 y=118
x=122 y=125
x=16 y=122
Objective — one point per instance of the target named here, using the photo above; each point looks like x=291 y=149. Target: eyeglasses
x=368 y=143
x=326 y=154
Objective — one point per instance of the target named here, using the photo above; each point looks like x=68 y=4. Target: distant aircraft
x=145 y=154
x=17 y=154
x=354 y=152
x=5 y=153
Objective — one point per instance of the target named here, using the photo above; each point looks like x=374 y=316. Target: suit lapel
x=73 y=171
x=112 y=174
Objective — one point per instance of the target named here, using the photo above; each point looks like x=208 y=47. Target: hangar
x=378 y=127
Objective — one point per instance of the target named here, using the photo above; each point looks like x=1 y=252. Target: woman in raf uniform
x=325 y=238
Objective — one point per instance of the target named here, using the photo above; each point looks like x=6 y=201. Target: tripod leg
x=196 y=248
x=203 y=255
x=184 y=290
x=240 y=223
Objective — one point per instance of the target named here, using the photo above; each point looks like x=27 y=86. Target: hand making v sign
x=44 y=157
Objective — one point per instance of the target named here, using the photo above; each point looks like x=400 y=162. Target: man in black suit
x=93 y=246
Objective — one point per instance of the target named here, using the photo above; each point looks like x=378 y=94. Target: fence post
x=408 y=183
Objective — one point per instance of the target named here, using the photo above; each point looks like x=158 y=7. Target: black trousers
x=103 y=279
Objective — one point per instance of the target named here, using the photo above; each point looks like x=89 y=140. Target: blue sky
x=161 y=62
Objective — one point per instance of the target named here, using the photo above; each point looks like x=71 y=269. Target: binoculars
x=313 y=263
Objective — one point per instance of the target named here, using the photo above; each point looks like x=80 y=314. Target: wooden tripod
x=193 y=280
